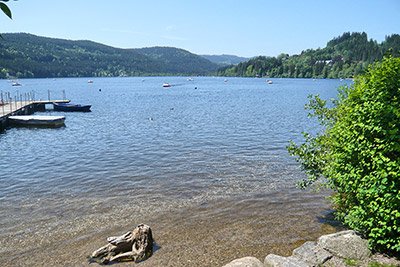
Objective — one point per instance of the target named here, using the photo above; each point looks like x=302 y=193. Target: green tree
x=358 y=153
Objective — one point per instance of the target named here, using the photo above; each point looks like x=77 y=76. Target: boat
x=90 y=81
x=16 y=84
x=71 y=107
x=166 y=85
x=37 y=120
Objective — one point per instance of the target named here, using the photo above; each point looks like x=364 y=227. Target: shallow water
x=202 y=162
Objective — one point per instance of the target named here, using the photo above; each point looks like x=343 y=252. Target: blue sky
x=244 y=28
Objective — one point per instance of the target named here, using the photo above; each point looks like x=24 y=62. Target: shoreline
x=340 y=249
x=211 y=234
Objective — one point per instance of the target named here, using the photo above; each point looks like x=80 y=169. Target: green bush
x=358 y=153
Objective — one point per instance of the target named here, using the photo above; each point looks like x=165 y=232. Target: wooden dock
x=12 y=108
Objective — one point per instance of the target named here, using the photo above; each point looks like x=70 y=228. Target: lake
x=202 y=162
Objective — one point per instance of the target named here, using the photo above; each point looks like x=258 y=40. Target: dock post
x=2 y=101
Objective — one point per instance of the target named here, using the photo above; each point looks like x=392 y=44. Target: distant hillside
x=179 y=60
x=344 y=57
x=225 y=60
x=26 y=55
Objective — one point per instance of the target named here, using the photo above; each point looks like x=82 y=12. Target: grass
x=376 y=264
x=351 y=262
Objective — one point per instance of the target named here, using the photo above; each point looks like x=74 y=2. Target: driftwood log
x=136 y=245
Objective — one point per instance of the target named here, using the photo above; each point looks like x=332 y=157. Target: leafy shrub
x=358 y=153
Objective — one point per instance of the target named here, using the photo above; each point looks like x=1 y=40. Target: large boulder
x=345 y=244
x=245 y=262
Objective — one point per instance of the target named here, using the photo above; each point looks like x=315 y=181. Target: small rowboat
x=71 y=107
x=37 y=120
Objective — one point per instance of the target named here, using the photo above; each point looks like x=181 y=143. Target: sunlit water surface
x=202 y=162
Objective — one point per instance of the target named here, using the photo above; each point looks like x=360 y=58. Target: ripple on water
x=210 y=172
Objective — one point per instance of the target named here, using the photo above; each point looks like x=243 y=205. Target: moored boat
x=37 y=120
x=71 y=107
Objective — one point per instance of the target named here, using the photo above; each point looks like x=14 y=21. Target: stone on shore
x=312 y=253
x=245 y=262
x=341 y=245
x=346 y=244
x=273 y=260
x=330 y=250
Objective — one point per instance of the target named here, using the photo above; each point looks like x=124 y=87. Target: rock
x=345 y=244
x=278 y=261
x=135 y=245
x=245 y=262
x=312 y=253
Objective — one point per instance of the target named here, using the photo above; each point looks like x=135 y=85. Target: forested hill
x=26 y=55
x=225 y=60
x=178 y=60
x=344 y=57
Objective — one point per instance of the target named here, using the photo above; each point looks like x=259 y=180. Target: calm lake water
x=202 y=162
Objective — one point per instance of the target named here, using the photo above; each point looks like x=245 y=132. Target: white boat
x=166 y=85
x=37 y=120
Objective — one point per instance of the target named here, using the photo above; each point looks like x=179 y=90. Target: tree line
x=29 y=56
x=345 y=56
